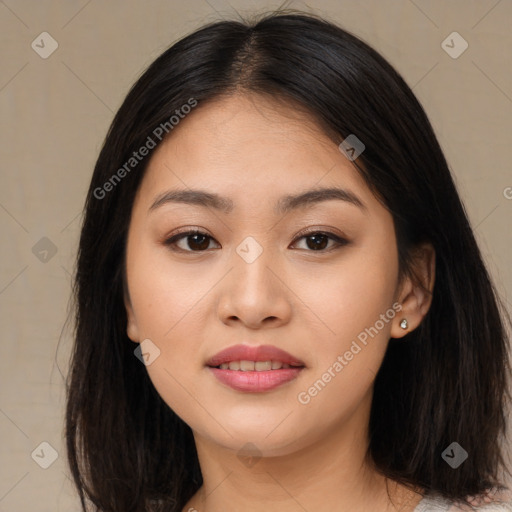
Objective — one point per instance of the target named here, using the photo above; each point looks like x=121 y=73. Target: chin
x=270 y=437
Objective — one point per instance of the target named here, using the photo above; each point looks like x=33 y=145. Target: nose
x=254 y=293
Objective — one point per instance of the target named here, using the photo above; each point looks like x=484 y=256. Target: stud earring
x=404 y=324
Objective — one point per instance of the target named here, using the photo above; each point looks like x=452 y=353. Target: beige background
x=55 y=113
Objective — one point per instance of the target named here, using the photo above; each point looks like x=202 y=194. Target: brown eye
x=318 y=241
x=194 y=241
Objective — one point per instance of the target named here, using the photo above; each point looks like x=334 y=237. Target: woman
x=280 y=301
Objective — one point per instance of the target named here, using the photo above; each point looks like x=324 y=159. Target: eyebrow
x=284 y=205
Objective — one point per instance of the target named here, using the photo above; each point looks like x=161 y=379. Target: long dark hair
x=127 y=450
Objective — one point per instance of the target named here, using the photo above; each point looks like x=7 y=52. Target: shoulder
x=496 y=500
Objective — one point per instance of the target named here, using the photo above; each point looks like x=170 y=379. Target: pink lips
x=252 y=380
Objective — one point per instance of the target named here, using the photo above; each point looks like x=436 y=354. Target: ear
x=415 y=294
x=132 y=330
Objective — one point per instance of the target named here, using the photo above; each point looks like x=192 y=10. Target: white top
x=501 y=502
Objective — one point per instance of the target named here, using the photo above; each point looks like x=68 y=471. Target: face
x=316 y=279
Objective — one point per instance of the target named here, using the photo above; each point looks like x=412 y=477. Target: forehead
x=237 y=124
x=245 y=146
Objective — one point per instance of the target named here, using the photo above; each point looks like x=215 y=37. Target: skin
x=311 y=303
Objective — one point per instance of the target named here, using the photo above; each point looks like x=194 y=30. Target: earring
x=404 y=324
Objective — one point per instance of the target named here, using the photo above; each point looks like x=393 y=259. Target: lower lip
x=253 y=381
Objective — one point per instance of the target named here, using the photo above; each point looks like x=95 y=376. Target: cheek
x=350 y=299
x=166 y=297
x=356 y=307
x=167 y=304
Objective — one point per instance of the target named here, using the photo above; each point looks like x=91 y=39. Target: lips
x=256 y=354
x=254 y=369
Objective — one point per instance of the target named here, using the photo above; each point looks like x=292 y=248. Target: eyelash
x=339 y=242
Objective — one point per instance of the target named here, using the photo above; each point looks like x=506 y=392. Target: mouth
x=256 y=366
x=254 y=369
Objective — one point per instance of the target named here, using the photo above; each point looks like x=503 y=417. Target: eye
x=318 y=240
x=196 y=240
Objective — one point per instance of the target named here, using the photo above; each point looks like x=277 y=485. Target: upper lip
x=252 y=353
